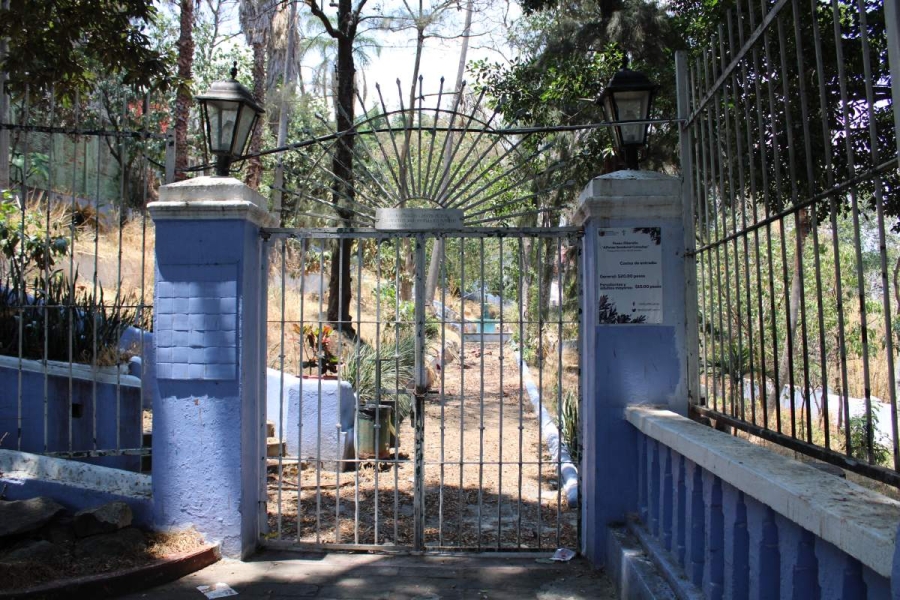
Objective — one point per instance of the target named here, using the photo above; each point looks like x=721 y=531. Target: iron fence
x=790 y=156
x=76 y=274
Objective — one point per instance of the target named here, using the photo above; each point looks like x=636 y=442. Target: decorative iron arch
x=432 y=155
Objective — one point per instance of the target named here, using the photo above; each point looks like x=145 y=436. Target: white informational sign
x=630 y=275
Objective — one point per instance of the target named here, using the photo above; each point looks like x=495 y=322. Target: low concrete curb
x=632 y=570
x=117 y=583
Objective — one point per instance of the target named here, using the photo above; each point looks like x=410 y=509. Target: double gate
x=430 y=416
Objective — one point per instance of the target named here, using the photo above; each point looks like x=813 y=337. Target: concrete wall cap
x=205 y=198
x=16 y=465
x=632 y=183
x=111 y=375
x=860 y=522
x=630 y=194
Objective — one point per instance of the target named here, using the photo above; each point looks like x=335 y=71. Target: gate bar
x=419 y=412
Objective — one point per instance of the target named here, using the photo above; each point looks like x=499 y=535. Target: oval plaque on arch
x=418 y=219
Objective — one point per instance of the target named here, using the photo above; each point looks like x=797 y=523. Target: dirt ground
x=23 y=575
x=489 y=482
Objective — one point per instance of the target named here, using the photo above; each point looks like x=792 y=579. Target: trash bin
x=374 y=427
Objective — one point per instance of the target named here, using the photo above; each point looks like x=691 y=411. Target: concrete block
x=301 y=399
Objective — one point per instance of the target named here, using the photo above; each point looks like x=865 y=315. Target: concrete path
x=274 y=575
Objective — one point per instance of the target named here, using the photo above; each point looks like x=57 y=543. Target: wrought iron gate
x=424 y=424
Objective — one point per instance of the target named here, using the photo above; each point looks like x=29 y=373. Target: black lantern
x=229 y=115
x=628 y=97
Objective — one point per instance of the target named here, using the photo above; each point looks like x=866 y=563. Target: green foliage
x=66 y=45
x=732 y=326
x=859 y=441
x=567 y=54
x=24 y=168
x=570 y=425
x=318 y=345
x=792 y=140
x=44 y=314
x=57 y=310
x=390 y=362
x=25 y=245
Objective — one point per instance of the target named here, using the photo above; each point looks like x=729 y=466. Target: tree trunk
x=793 y=310
x=184 y=98
x=409 y=262
x=339 y=283
x=287 y=84
x=254 y=165
x=434 y=266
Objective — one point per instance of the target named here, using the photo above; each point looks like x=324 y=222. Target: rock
x=35 y=551
x=103 y=519
x=61 y=532
x=270 y=429
x=123 y=542
x=21 y=516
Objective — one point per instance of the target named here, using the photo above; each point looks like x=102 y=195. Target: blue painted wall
x=60 y=416
x=626 y=364
x=207 y=429
x=634 y=364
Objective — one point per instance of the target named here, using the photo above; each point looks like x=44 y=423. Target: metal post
x=170 y=158
x=892 y=26
x=419 y=410
x=4 y=114
x=682 y=84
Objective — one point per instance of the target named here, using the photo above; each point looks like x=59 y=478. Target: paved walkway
x=274 y=575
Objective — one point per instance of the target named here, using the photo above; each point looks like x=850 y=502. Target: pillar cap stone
x=630 y=194
x=208 y=198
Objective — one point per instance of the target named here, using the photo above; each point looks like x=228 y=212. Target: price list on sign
x=630 y=275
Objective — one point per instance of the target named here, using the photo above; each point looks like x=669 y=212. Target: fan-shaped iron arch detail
x=436 y=154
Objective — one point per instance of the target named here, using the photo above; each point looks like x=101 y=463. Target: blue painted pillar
x=209 y=323
x=627 y=363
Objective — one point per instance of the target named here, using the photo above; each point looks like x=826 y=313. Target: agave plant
x=58 y=319
x=395 y=358
x=569 y=424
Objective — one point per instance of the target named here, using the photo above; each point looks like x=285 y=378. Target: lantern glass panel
x=632 y=106
x=222 y=117
x=244 y=126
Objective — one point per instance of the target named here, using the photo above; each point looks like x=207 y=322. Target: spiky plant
x=396 y=359
x=569 y=426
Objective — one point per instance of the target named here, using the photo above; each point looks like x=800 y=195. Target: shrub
x=859 y=435
x=44 y=314
x=58 y=311
x=396 y=361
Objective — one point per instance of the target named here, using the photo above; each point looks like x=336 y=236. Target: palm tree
x=256 y=22
x=183 y=97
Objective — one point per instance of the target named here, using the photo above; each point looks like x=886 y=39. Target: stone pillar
x=209 y=325
x=627 y=363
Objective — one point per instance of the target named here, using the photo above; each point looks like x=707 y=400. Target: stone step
x=275 y=447
x=270 y=429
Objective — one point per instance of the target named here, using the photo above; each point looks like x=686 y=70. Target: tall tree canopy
x=567 y=53
x=68 y=44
